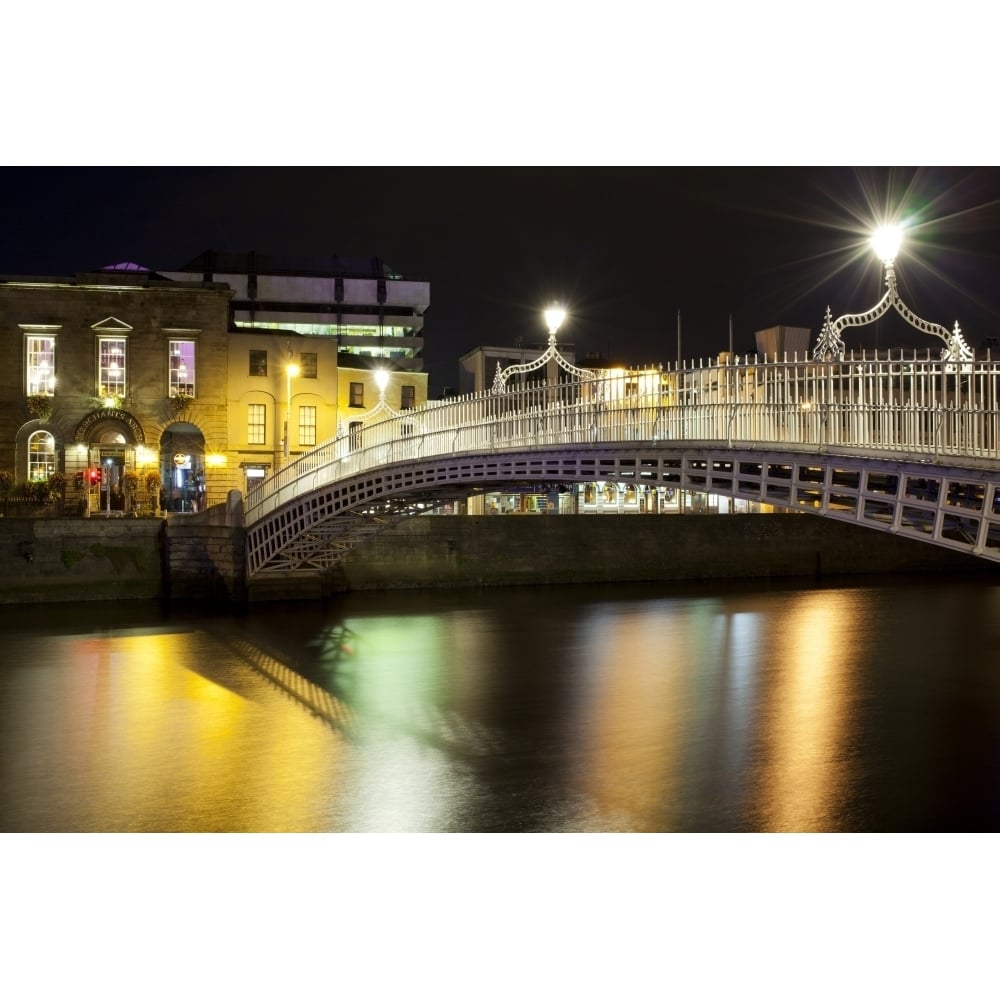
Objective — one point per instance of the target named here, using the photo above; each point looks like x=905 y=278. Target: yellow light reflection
x=805 y=725
x=632 y=766
x=163 y=739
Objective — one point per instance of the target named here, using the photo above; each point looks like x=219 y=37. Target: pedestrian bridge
x=896 y=442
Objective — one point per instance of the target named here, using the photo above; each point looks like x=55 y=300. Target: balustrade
x=884 y=406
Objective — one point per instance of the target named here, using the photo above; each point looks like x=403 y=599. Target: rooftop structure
x=371 y=309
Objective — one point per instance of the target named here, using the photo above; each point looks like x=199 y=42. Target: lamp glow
x=381 y=379
x=554 y=317
x=886 y=242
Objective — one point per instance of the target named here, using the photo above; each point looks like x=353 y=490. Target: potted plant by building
x=130 y=486
x=40 y=406
x=153 y=483
x=57 y=489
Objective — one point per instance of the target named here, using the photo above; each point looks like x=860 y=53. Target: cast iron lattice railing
x=876 y=407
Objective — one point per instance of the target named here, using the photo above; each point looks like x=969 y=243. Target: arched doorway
x=182 y=468
x=107 y=442
x=111 y=453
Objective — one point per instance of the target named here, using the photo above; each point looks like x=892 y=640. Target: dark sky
x=623 y=248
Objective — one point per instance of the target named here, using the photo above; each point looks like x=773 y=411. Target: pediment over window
x=111 y=325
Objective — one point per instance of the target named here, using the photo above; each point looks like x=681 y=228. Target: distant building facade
x=478 y=368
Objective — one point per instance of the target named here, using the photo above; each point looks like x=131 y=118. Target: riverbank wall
x=518 y=551
x=201 y=558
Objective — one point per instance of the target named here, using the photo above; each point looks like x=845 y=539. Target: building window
x=256 y=423
x=357 y=394
x=307 y=426
x=111 y=366
x=354 y=429
x=307 y=365
x=255 y=475
x=41 y=373
x=407 y=397
x=258 y=362
x=41 y=456
x=181 y=368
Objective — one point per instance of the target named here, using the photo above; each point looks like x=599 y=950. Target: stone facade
x=122 y=377
x=140 y=430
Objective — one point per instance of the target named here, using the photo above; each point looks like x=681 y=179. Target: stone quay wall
x=201 y=557
x=524 y=550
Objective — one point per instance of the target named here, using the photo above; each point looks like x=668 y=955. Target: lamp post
x=291 y=371
x=886 y=242
x=554 y=317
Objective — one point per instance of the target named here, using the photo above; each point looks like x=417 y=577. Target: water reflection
x=590 y=709
x=807 y=722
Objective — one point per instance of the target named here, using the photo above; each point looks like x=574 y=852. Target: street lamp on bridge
x=886 y=242
x=554 y=317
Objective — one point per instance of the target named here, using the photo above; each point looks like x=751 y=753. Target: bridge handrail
x=889 y=404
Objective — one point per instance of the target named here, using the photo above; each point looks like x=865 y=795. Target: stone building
x=149 y=389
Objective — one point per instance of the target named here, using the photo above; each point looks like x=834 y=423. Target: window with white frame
x=357 y=394
x=111 y=365
x=181 y=361
x=256 y=423
x=41 y=366
x=307 y=426
x=41 y=456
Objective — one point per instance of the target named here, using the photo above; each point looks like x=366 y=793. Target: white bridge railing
x=888 y=406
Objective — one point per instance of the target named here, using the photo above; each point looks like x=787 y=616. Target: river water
x=859 y=705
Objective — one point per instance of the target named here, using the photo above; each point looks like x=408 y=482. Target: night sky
x=624 y=248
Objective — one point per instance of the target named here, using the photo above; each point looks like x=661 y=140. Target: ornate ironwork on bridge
x=830 y=345
x=554 y=317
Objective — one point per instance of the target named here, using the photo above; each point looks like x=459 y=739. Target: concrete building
x=478 y=368
x=784 y=341
x=371 y=309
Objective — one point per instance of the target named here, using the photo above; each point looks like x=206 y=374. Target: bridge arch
x=907 y=445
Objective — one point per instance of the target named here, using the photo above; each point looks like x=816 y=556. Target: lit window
x=258 y=362
x=111 y=366
x=407 y=397
x=307 y=426
x=357 y=394
x=181 y=362
x=307 y=365
x=41 y=456
x=256 y=423
x=41 y=373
